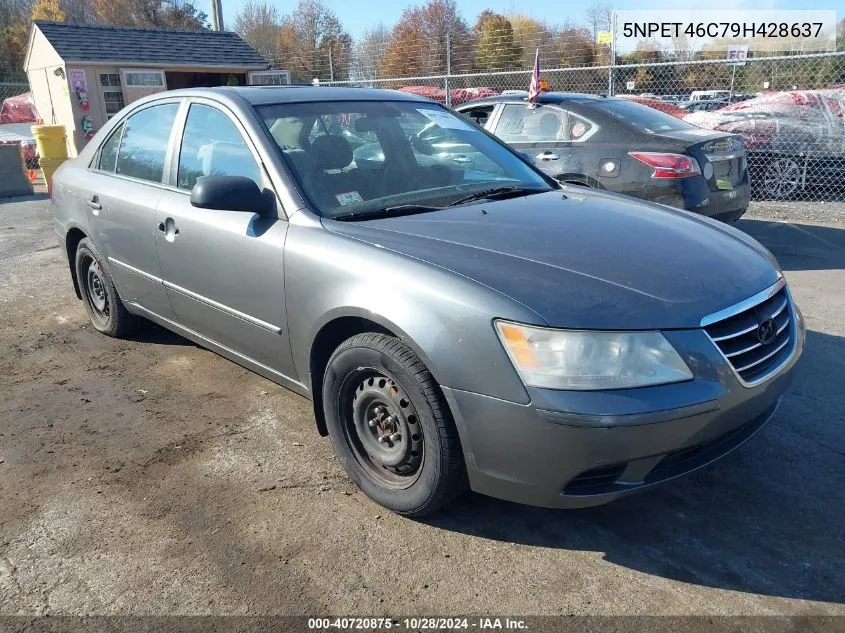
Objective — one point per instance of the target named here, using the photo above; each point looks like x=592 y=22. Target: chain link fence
x=788 y=108
x=12 y=89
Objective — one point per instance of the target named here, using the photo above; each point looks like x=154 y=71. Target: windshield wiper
x=496 y=192
x=387 y=212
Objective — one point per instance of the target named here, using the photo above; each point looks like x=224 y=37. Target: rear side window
x=642 y=117
x=108 y=153
x=145 y=141
x=213 y=146
x=522 y=123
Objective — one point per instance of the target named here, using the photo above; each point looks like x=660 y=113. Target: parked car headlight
x=590 y=360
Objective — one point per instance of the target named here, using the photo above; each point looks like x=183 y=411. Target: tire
x=375 y=386
x=105 y=310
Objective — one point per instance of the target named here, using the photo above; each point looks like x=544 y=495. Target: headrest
x=549 y=124
x=331 y=152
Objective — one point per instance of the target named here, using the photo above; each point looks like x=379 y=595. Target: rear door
x=223 y=269
x=121 y=193
x=538 y=131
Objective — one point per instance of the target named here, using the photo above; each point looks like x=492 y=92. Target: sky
x=358 y=15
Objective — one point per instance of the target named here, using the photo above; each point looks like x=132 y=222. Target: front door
x=223 y=270
x=121 y=194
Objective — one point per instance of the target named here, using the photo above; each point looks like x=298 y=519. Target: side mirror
x=230 y=193
x=528 y=158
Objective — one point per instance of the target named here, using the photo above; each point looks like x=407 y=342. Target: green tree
x=495 y=47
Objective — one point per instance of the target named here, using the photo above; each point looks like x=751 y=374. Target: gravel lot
x=152 y=476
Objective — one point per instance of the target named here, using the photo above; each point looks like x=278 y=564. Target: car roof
x=265 y=95
x=545 y=97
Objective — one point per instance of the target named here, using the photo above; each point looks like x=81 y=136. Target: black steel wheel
x=391 y=427
x=382 y=428
x=105 y=309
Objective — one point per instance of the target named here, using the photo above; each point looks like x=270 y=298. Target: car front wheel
x=391 y=427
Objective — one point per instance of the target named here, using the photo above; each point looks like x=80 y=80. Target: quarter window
x=145 y=141
x=213 y=146
x=108 y=153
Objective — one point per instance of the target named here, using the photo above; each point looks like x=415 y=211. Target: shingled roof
x=155 y=47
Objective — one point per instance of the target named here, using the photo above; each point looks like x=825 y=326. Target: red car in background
x=795 y=141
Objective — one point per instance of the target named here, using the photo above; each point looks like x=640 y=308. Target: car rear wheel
x=781 y=178
x=107 y=313
x=391 y=427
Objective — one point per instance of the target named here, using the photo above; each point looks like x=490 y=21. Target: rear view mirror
x=230 y=193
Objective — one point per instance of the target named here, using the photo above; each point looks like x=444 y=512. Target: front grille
x=740 y=339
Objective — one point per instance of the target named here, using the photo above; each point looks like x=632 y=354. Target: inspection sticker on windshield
x=350 y=197
x=444 y=119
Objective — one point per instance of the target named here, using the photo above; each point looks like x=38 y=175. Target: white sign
x=630 y=85
x=738 y=54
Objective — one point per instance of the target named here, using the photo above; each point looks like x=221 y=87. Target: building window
x=114 y=102
x=269 y=78
x=143 y=78
x=110 y=80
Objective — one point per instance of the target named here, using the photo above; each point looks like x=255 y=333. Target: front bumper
x=578 y=449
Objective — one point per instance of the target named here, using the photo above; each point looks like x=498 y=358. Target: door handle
x=168 y=227
x=548 y=156
x=461 y=159
x=94 y=204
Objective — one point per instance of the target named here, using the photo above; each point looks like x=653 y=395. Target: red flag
x=534 y=88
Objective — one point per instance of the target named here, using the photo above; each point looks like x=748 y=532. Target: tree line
x=311 y=42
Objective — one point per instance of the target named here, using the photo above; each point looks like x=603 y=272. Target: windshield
x=642 y=117
x=357 y=157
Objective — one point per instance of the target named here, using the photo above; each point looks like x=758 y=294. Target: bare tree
x=258 y=23
x=598 y=18
x=369 y=52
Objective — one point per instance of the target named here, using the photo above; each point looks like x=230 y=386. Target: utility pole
x=331 y=65
x=448 y=66
x=216 y=15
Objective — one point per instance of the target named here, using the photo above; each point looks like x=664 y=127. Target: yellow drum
x=50 y=140
x=49 y=167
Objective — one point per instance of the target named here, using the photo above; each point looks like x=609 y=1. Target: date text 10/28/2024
x=416 y=624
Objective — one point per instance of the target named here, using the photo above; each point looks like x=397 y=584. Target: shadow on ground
x=799 y=246
x=767 y=519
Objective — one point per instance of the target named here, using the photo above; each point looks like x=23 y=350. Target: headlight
x=586 y=360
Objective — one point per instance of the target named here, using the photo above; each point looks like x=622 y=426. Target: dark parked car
x=795 y=140
x=707 y=105
x=624 y=147
x=454 y=327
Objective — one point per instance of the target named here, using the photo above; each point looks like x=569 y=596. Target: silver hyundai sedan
x=458 y=318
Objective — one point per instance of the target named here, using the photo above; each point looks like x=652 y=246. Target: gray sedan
x=457 y=323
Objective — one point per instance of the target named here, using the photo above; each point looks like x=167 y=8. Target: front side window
x=364 y=157
x=479 y=114
x=213 y=146
x=145 y=141
x=520 y=123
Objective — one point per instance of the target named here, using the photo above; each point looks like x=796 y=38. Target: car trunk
x=723 y=151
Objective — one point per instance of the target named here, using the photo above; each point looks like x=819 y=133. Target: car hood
x=585 y=259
